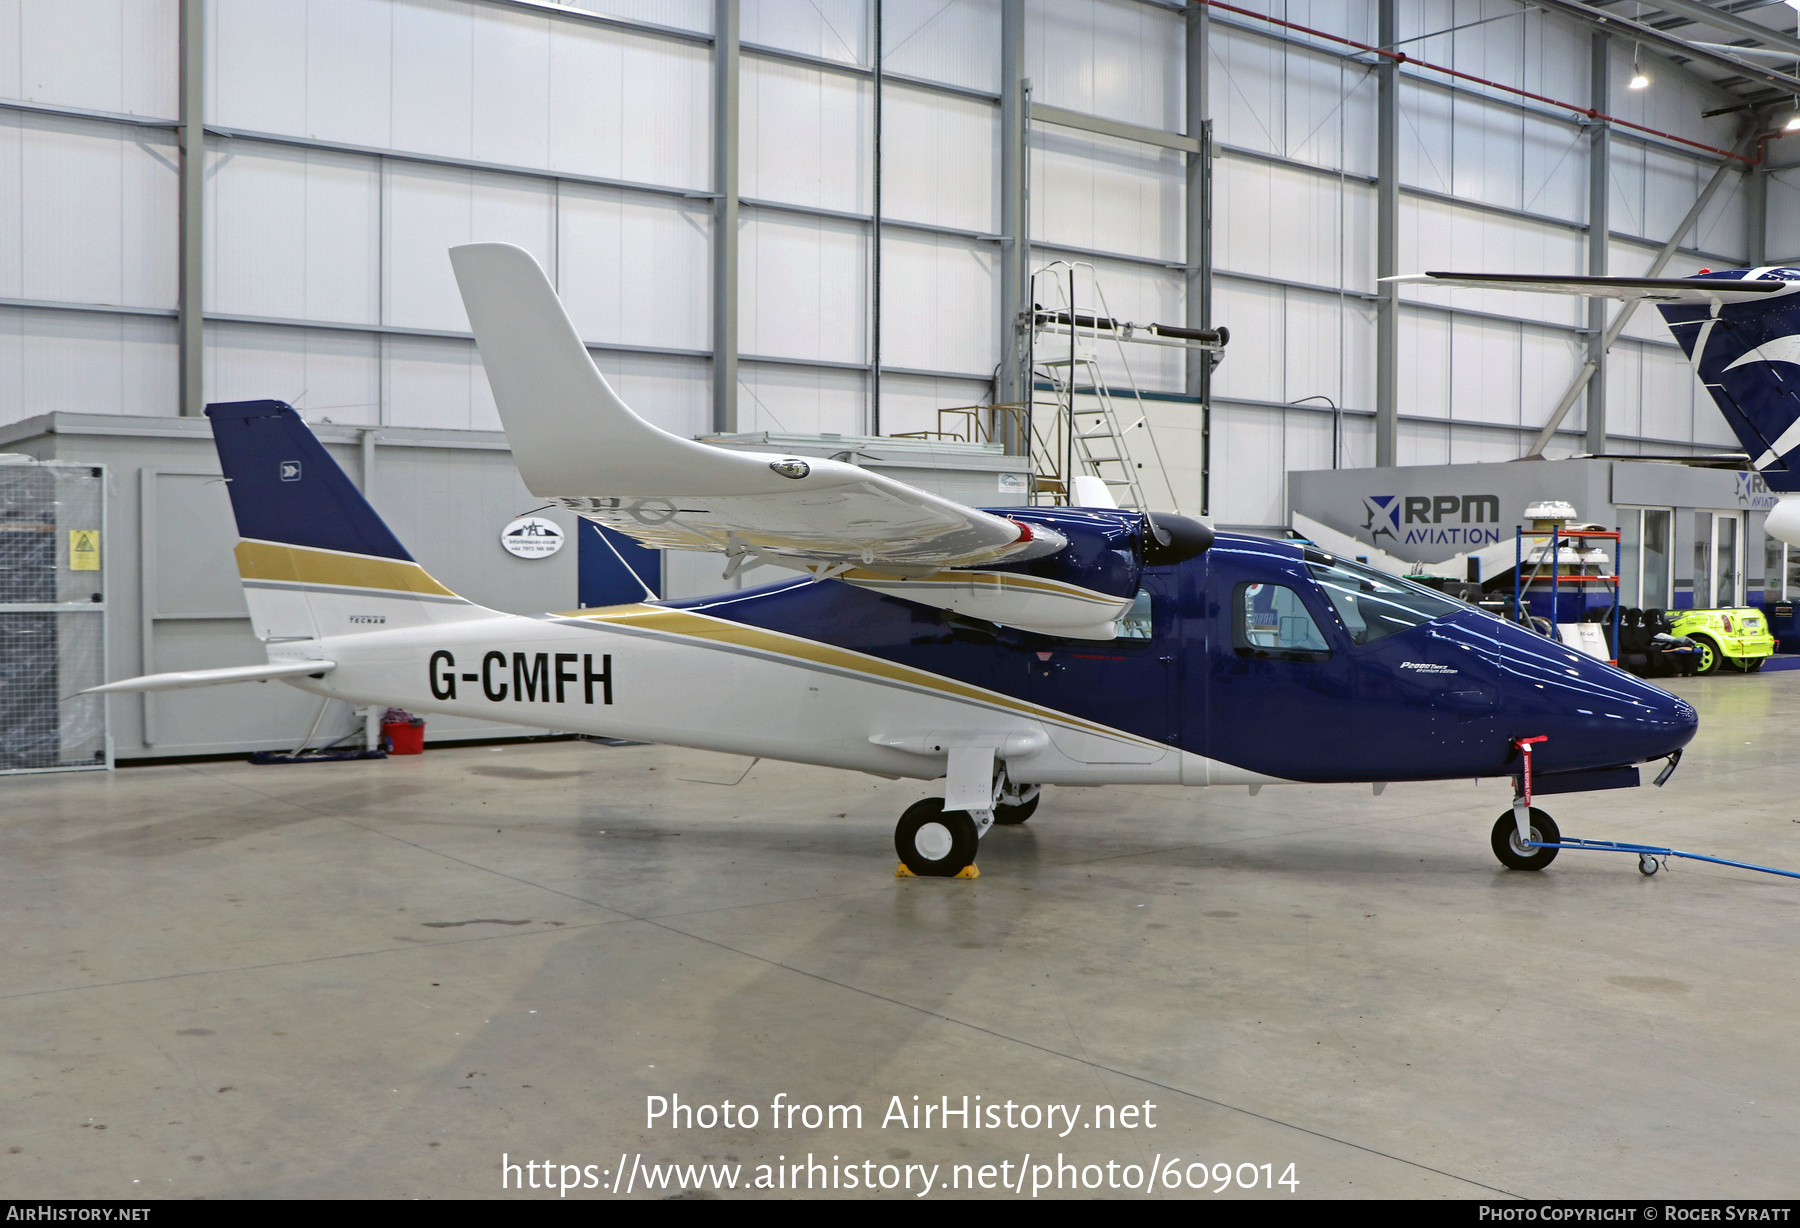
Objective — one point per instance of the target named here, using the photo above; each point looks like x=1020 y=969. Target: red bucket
x=404 y=737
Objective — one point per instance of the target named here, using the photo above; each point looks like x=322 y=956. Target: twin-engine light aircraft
x=1000 y=650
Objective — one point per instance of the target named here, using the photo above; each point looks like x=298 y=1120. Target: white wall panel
x=1548 y=362
x=100 y=55
x=1110 y=195
x=1248 y=465
x=293 y=233
x=1422 y=443
x=829 y=29
x=1783 y=213
x=1255 y=363
x=85 y=363
x=1427 y=142
x=439 y=382
x=1108 y=57
x=910 y=402
x=1328 y=349
x=1488 y=158
x=87 y=212
x=673 y=393
x=628 y=107
x=1171 y=483
x=324 y=374
x=805 y=136
x=434 y=75
x=430 y=209
x=1484 y=370
x=1724 y=224
x=254 y=80
x=810 y=400
x=802 y=288
x=1424 y=388
x=1552 y=178
x=1246 y=99
x=939 y=303
x=1275 y=221
x=1474 y=445
x=681 y=14
x=958 y=42
x=636 y=269
x=1438 y=235
x=940 y=159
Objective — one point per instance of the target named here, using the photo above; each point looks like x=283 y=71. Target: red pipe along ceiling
x=1402 y=58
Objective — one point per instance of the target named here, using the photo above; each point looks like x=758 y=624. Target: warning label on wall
x=84 y=550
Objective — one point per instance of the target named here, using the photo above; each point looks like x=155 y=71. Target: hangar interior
x=816 y=225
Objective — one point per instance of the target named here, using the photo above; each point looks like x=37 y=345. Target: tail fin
x=315 y=558
x=1748 y=356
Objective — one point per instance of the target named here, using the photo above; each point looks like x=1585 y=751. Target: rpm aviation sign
x=532 y=537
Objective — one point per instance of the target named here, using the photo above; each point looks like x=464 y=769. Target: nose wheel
x=1516 y=855
x=936 y=843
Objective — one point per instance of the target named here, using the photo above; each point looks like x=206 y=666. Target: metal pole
x=1387 y=317
x=190 y=310
x=1599 y=228
x=1756 y=215
x=1015 y=243
x=875 y=241
x=1199 y=235
x=725 y=216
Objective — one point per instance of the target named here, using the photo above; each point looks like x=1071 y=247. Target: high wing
x=578 y=445
x=1653 y=289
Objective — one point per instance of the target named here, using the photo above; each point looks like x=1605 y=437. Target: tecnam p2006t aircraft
x=999 y=650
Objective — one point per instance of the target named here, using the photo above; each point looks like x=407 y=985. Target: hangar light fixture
x=1638 y=79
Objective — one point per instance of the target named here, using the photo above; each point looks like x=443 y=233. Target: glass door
x=1658 y=558
x=1727 y=571
x=1703 y=553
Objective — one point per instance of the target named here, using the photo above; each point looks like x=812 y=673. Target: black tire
x=933 y=842
x=1012 y=816
x=1709 y=655
x=1506 y=831
x=1754 y=665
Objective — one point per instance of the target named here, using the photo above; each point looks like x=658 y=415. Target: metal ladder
x=1095 y=443
x=1085 y=440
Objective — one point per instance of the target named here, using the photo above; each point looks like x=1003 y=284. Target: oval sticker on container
x=532 y=537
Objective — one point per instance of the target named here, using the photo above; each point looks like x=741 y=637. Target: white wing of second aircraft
x=578 y=445
x=1654 y=289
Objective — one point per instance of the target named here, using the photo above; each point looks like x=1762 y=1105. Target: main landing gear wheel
x=1015 y=808
x=934 y=842
x=1515 y=856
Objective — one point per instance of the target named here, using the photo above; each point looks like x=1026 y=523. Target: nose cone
x=1596 y=715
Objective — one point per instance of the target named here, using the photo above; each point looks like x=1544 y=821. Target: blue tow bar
x=1649 y=855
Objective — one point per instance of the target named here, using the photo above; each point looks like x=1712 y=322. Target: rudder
x=315 y=558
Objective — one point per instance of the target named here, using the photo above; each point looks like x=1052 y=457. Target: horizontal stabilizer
x=182 y=679
x=1654 y=289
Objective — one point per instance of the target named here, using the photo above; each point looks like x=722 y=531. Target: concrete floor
x=373 y=979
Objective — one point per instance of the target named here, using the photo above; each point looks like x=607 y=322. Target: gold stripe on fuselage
x=690 y=625
x=260 y=560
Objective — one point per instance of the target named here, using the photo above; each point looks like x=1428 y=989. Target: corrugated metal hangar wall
x=349 y=142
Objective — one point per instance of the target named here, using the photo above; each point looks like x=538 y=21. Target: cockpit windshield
x=1372 y=604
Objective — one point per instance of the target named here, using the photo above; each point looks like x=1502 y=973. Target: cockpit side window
x=1374 y=605
x=1270 y=621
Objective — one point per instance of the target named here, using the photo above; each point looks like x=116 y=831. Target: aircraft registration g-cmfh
x=1740 y=329
x=1000 y=650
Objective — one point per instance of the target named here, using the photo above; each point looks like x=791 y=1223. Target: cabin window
x=1271 y=621
x=1374 y=605
x=1135 y=625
